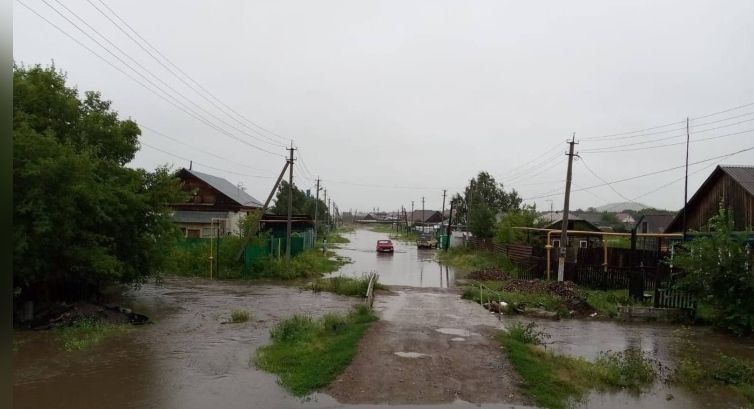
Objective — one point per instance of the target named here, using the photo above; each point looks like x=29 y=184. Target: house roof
x=424 y=215
x=558 y=222
x=188 y=216
x=657 y=223
x=227 y=188
x=741 y=174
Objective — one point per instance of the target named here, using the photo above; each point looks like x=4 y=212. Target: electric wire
x=158 y=52
x=202 y=164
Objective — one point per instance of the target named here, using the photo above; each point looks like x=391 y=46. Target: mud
x=442 y=369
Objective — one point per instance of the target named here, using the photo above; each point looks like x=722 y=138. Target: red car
x=384 y=246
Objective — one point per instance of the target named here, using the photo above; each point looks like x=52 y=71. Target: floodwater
x=190 y=359
x=407 y=266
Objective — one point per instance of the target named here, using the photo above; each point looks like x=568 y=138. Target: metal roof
x=227 y=188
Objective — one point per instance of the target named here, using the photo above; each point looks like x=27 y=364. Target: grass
x=722 y=371
x=554 y=381
x=467 y=259
x=549 y=302
x=308 y=354
x=238 y=316
x=353 y=287
x=84 y=334
x=310 y=263
x=607 y=302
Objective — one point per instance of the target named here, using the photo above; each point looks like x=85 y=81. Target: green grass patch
x=354 y=287
x=308 y=354
x=607 y=302
x=721 y=371
x=467 y=259
x=85 y=333
x=238 y=316
x=554 y=381
x=310 y=263
x=547 y=301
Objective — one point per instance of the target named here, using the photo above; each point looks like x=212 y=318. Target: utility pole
x=423 y=218
x=316 y=211
x=562 y=250
x=686 y=182
x=329 y=213
x=412 y=213
x=450 y=221
x=289 y=223
x=444 y=191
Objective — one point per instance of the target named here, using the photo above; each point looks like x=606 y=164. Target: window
x=193 y=233
x=556 y=243
x=583 y=244
x=644 y=227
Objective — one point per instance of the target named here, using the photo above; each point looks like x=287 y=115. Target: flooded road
x=428 y=339
x=407 y=266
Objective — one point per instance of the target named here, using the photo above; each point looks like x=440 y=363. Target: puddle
x=458 y=339
x=456 y=331
x=407 y=266
x=410 y=354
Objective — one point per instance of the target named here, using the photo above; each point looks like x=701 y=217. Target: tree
x=484 y=192
x=482 y=221
x=302 y=204
x=717 y=270
x=81 y=218
x=524 y=217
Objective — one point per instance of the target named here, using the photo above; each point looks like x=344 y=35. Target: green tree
x=302 y=203
x=482 y=221
x=485 y=192
x=81 y=218
x=524 y=217
x=717 y=269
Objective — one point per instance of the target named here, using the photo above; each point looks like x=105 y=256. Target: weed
x=237 y=316
x=308 y=354
x=86 y=333
x=527 y=334
x=555 y=380
x=355 y=287
x=732 y=371
x=628 y=369
x=607 y=302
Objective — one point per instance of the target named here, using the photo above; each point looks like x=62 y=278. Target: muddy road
x=429 y=347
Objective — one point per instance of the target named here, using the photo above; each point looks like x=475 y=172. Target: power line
x=202 y=164
x=519 y=169
x=166 y=97
x=649 y=174
x=670 y=144
x=156 y=77
x=117 y=16
x=666 y=125
x=178 y=141
x=583 y=162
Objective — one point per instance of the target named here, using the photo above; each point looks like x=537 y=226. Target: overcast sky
x=389 y=101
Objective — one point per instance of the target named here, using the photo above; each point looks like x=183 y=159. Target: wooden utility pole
x=444 y=192
x=562 y=250
x=253 y=229
x=686 y=182
x=412 y=213
x=423 y=218
x=289 y=223
x=316 y=211
x=450 y=221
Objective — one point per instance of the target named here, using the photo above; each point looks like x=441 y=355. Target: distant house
x=625 y=218
x=215 y=205
x=426 y=217
x=733 y=186
x=576 y=239
x=654 y=223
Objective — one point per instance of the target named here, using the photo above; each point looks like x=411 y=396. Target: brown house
x=214 y=205
x=654 y=223
x=426 y=217
x=731 y=186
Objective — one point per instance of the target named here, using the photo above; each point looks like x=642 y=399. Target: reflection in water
x=407 y=266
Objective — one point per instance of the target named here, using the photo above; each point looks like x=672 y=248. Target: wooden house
x=731 y=186
x=215 y=205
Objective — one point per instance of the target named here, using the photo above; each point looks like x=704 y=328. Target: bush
x=355 y=287
x=293 y=329
x=628 y=369
x=527 y=334
x=239 y=316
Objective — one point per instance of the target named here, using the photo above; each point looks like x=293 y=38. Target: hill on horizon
x=621 y=206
